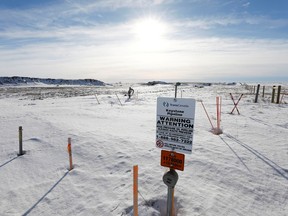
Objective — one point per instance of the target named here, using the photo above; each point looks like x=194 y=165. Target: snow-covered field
x=243 y=171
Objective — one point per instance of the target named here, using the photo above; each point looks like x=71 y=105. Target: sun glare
x=150 y=32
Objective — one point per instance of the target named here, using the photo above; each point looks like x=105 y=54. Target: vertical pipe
x=20 y=142
x=173 y=207
x=135 y=190
x=169 y=201
x=278 y=94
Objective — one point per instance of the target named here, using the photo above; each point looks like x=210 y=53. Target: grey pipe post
x=20 y=142
x=170 y=178
x=169 y=201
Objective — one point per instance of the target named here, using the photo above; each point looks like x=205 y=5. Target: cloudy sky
x=133 y=40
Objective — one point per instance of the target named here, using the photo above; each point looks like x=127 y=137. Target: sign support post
x=176 y=85
x=170 y=178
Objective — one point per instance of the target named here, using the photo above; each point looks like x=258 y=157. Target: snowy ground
x=243 y=171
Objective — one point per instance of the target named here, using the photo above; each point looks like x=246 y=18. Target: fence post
x=278 y=94
x=20 y=142
x=263 y=93
x=257 y=93
x=273 y=94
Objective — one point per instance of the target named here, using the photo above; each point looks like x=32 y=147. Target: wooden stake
x=119 y=100
x=257 y=93
x=235 y=103
x=263 y=93
x=69 y=148
x=207 y=115
x=135 y=190
x=273 y=94
x=278 y=94
x=97 y=99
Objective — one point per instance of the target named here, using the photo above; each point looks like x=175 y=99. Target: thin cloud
x=246 y=5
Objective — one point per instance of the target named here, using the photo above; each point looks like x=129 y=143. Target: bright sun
x=150 y=32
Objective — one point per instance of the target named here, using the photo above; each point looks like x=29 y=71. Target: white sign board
x=175 y=124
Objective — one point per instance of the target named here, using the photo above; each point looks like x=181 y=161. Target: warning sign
x=172 y=160
x=175 y=124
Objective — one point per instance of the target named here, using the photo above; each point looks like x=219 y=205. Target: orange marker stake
x=70 y=153
x=218 y=112
x=135 y=190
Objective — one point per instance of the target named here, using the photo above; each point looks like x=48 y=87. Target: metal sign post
x=170 y=178
x=176 y=85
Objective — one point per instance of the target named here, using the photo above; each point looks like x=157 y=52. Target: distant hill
x=16 y=80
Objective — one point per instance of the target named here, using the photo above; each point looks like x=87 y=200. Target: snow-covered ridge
x=15 y=80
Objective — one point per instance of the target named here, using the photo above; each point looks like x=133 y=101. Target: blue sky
x=134 y=40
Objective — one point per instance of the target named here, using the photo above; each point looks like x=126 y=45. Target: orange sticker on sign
x=172 y=160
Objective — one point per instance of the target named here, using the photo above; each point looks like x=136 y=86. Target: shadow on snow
x=29 y=210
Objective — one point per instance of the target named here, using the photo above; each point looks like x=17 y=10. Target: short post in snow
x=21 y=152
x=278 y=94
x=273 y=94
x=176 y=85
x=69 y=148
x=257 y=93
